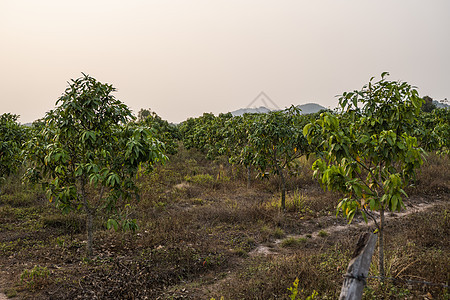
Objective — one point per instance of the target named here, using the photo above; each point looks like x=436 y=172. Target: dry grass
x=434 y=176
x=198 y=225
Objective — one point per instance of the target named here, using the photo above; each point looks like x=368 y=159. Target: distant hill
x=441 y=105
x=259 y=110
x=308 y=108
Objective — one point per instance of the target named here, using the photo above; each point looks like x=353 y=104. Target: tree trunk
x=89 y=219
x=381 y=244
x=248 y=177
x=283 y=190
x=90 y=230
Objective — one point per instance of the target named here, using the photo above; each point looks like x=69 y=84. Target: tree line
x=88 y=151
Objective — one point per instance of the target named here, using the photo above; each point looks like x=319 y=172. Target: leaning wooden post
x=358 y=268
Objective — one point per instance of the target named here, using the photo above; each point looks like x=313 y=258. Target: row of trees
x=368 y=150
x=12 y=137
x=270 y=143
x=87 y=152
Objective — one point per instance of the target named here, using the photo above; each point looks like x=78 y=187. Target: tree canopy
x=87 y=153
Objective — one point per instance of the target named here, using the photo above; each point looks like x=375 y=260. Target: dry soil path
x=2 y=295
x=274 y=248
x=271 y=249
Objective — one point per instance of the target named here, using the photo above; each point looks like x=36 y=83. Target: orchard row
x=88 y=151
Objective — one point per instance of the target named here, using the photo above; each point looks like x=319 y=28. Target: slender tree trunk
x=89 y=219
x=248 y=177
x=90 y=230
x=283 y=190
x=381 y=244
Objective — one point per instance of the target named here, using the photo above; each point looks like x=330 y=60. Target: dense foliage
x=433 y=130
x=368 y=151
x=267 y=142
x=164 y=131
x=12 y=135
x=87 y=153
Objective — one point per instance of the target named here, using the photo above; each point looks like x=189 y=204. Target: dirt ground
x=214 y=237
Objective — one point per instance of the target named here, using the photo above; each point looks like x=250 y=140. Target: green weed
x=295 y=292
x=292 y=242
x=278 y=233
x=323 y=233
x=200 y=179
x=35 y=278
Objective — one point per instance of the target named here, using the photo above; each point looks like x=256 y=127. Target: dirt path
x=2 y=284
x=2 y=295
x=272 y=248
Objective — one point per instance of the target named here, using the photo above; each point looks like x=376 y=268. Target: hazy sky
x=183 y=58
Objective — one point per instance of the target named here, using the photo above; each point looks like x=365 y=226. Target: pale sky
x=183 y=58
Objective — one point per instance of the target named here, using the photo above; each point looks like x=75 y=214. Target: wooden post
x=358 y=268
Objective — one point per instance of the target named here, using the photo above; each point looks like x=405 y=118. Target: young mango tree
x=275 y=141
x=368 y=153
x=164 y=131
x=235 y=143
x=12 y=135
x=205 y=133
x=433 y=130
x=87 y=153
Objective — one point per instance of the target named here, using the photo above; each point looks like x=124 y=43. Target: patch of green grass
x=8 y=248
x=19 y=199
x=323 y=233
x=11 y=293
x=278 y=233
x=197 y=201
x=35 y=278
x=200 y=179
x=71 y=223
x=297 y=202
x=240 y=252
x=292 y=242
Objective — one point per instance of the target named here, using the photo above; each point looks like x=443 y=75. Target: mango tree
x=275 y=141
x=205 y=133
x=433 y=130
x=87 y=153
x=368 y=153
x=12 y=135
x=235 y=143
x=164 y=131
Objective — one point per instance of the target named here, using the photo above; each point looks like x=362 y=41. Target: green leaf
x=306 y=129
x=394 y=201
x=111 y=223
x=364 y=216
x=363 y=139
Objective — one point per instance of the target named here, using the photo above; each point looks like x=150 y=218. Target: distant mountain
x=259 y=110
x=308 y=108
